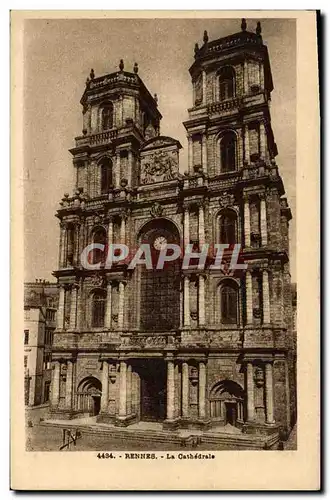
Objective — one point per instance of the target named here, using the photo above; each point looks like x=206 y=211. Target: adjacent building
x=40 y=305
x=193 y=348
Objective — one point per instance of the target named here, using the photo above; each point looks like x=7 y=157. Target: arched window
x=229 y=303
x=228 y=152
x=106 y=175
x=99 y=237
x=98 y=308
x=107 y=116
x=228 y=232
x=159 y=288
x=226 y=83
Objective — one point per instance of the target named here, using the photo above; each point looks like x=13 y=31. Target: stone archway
x=89 y=396
x=227 y=403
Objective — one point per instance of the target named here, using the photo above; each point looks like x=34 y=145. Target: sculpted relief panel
x=159 y=166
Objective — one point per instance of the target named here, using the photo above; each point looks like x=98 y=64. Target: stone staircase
x=188 y=441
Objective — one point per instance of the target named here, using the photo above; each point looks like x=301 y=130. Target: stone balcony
x=96 y=139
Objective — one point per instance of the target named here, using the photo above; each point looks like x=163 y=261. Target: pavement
x=50 y=438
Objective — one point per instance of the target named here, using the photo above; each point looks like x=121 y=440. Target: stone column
x=123 y=230
x=247 y=227
x=121 y=305
x=73 y=307
x=269 y=393
x=201 y=299
x=204 y=86
x=170 y=390
x=130 y=168
x=69 y=385
x=246 y=144
x=117 y=176
x=181 y=303
x=76 y=243
x=110 y=232
x=204 y=153
x=250 y=392
x=56 y=384
x=129 y=390
x=201 y=390
x=263 y=221
x=246 y=77
x=262 y=134
x=105 y=387
x=248 y=292
x=108 y=314
x=61 y=305
x=265 y=297
x=185 y=390
x=122 y=389
x=186 y=235
x=261 y=76
x=201 y=226
x=62 y=245
x=190 y=154
x=186 y=301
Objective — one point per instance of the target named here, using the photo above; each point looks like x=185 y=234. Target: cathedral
x=189 y=348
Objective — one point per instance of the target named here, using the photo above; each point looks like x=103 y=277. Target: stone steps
x=224 y=440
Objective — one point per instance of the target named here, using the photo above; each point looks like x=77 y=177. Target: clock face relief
x=160 y=242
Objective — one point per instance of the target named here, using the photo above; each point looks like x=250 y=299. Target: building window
x=98 y=309
x=99 y=238
x=106 y=175
x=228 y=228
x=226 y=83
x=229 y=304
x=107 y=116
x=46 y=392
x=25 y=361
x=48 y=337
x=228 y=152
x=26 y=337
x=47 y=360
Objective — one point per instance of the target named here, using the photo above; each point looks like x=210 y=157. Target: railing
x=99 y=138
x=224 y=105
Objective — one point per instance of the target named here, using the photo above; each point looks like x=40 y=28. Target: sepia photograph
x=160 y=238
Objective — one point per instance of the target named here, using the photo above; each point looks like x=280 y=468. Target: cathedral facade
x=191 y=348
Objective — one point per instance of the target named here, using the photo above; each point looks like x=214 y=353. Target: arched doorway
x=159 y=288
x=89 y=396
x=227 y=402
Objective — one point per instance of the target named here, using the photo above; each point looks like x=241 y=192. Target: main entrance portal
x=153 y=390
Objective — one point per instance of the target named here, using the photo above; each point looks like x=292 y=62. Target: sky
x=58 y=56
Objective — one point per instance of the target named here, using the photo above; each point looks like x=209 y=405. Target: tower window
x=100 y=238
x=228 y=304
x=226 y=83
x=228 y=228
x=98 y=309
x=228 y=152
x=107 y=116
x=106 y=175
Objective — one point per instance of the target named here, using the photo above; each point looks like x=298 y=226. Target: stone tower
x=194 y=348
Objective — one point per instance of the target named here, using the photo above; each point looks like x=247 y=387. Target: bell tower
x=119 y=114
x=229 y=124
